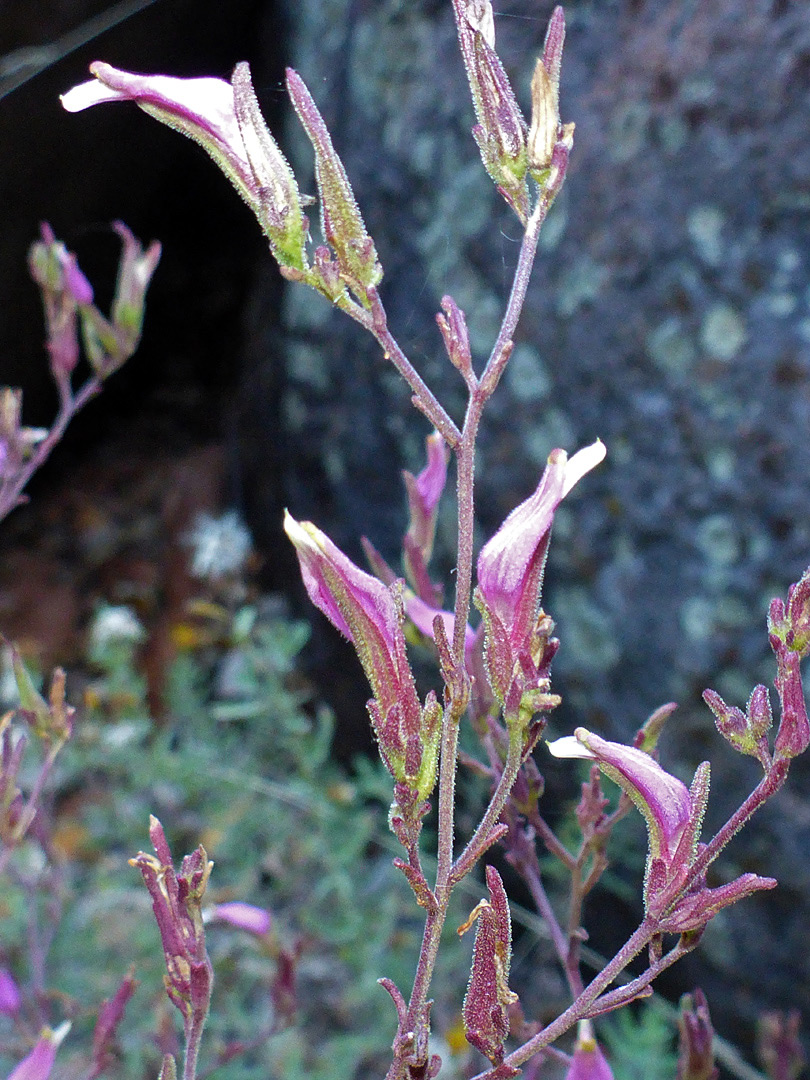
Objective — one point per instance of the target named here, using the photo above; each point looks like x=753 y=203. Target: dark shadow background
x=669 y=315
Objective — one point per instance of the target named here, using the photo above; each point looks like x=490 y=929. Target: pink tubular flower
x=10 y=1000
x=224 y=118
x=362 y=608
x=424 y=492
x=588 y=1062
x=370 y=614
x=662 y=799
x=511 y=564
x=38 y=1064
x=423 y=616
x=673 y=890
x=244 y=916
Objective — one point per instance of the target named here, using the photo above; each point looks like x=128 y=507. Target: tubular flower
x=511 y=564
x=39 y=1063
x=588 y=1062
x=224 y=118
x=673 y=814
x=370 y=614
x=662 y=799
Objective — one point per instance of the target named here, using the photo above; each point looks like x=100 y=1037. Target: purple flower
x=424 y=492
x=370 y=614
x=511 y=564
x=362 y=608
x=38 y=1064
x=10 y=1000
x=243 y=916
x=588 y=1062
x=224 y=118
x=423 y=616
x=662 y=799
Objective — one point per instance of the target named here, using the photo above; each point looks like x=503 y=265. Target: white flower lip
x=581 y=463
x=569 y=746
x=86 y=94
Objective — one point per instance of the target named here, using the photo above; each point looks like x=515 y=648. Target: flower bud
x=110 y=1016
x=64 y=289
x=793 y=735
x=747 y=732
x=177 y=904
x=135 y=271
x=797 y=630
x=695 y=1038
x=546 y=131
x=779 y=1045
x=501 y=129
x=343 y=226
x=453 y=328
x=486 y=1005
x=51 y=719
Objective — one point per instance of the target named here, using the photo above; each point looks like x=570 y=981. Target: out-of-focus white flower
x=115 y=625
x=219 y=545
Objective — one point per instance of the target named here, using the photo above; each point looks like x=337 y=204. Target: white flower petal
x=582 y=462
x=569 y=746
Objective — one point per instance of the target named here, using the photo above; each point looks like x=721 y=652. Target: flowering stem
x=766 y=788
x=551 y=841
x=463 y=442
x=517 y=297
x=11 y=489
x=194 y=1030
x=424 y=399
x=527 y=863
x=482 y=837
x=579 y=1009
x=636 y=987
x=592 y=995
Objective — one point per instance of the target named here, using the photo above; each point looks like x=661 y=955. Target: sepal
x=746 y=731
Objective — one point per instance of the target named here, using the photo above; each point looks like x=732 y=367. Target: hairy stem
x=480 y=839
x=579 y=1008
x=11 y=489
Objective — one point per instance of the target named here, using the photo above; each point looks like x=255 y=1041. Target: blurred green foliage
x=640 y=1042
x=241 y=763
